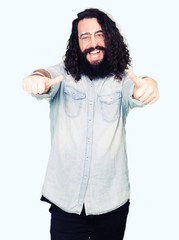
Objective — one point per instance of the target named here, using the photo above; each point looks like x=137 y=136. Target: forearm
x=43 y=72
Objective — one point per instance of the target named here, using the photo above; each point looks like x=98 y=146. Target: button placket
x=88 y=143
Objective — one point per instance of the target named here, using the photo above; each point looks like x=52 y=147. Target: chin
x=94 y=63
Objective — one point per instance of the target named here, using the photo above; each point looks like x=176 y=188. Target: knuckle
x=150 y=90
x=29 y=80
x=41 y=81
x=155 y=94
x=137 y=94
x=41 y=88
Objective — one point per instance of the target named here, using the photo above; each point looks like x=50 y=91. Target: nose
x=93 y=41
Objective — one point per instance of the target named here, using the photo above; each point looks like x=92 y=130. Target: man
x=90 y=95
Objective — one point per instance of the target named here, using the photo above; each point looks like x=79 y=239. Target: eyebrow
x=87 y=33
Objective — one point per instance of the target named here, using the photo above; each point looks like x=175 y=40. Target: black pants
x=108 y=226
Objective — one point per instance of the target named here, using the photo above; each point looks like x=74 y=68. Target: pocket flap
x=74 y=93
x=111 y=98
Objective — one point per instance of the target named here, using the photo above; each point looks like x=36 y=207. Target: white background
x=34 y=34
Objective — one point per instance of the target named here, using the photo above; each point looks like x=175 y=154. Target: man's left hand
x=145 y=89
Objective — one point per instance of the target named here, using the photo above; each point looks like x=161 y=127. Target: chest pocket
x=73 y=101
x=111 y=106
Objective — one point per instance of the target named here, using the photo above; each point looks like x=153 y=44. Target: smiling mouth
x=94 y=52
x=95 y=55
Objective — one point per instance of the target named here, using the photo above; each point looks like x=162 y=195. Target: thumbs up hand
x=145 y=89
x=38 y=84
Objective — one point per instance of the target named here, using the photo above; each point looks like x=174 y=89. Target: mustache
x=88 y=50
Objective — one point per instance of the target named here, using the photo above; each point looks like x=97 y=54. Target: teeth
x=94 y=52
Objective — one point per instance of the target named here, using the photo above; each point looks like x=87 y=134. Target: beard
x=96 y=69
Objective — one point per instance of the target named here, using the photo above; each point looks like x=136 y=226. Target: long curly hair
x=116 y=49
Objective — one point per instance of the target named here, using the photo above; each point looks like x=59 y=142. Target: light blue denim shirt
x=88 y=160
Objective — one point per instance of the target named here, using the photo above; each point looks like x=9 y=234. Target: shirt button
x=89 y=139
x=87 y=158
x=85 y=177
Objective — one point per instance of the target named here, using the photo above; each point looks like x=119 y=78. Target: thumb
x=133 y=77
x=55 y=80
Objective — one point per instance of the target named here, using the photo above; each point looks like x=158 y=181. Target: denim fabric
x=88 y=159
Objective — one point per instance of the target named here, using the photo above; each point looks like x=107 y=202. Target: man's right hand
x=38 y=84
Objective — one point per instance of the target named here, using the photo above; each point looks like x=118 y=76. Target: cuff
x=133 y=101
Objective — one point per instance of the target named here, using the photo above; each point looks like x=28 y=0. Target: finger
x=153 y=100
x=29 y=88
x=38 y=84
x=140 y=92
x=25 y=84
x=55 y=80
x=33 y=84
x=41 y=87
x=147 y=99
x=34 y=87
x=132 y=76
x=149 y=94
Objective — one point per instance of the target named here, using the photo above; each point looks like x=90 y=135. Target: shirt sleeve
x=54 y=72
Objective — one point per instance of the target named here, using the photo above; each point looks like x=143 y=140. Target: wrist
x=41 y=72
x=37 y=73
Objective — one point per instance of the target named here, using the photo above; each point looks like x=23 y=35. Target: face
x=90 y=36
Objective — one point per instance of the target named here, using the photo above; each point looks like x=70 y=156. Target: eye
x=99 y=35
x=85 y=37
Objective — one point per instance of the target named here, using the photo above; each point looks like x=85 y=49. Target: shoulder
x=56 y=70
